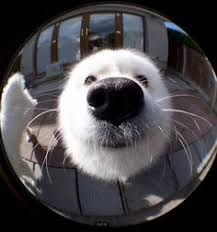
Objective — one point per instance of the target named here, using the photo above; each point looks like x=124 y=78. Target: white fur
x=14 y=103
x=79 y=128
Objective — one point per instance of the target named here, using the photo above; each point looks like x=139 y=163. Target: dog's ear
x=15 y=101
x=15 y=94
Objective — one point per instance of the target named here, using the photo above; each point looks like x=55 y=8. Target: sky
x=174 y=27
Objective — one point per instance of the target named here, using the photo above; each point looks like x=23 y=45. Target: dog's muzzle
x=115 y=99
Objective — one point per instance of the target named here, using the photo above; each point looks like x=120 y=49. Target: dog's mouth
x=126 y=134
x=116 y=145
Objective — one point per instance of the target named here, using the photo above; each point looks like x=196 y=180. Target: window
x=101 y=31
x=133 y=32
x=27 y=57
x=69 y=40
x=43 y=54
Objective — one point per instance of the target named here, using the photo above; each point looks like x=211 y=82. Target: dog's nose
x=115 y=99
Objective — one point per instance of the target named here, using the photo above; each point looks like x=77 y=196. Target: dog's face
x=109 y=116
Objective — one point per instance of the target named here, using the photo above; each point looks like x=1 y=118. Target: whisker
x=187 y=150
x=187 y=113
x=49 y=100
x=213 y=103
x=48 y=94
x=29 y=108
x=198 y=127
x=194 y=134
x=57 y=138
x=34 y=108
x=39 y=115
x=39 y=108
x=148 y=147
x=177 y=95
x=186 y=127
x=164 y=167
x=168 y=159
x=176 y=133
x=51 y=144
x=64 y=160
x=44 y=137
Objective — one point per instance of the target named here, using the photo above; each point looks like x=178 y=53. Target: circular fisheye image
x=108 y=115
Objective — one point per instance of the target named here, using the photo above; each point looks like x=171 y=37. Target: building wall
x=198 y=70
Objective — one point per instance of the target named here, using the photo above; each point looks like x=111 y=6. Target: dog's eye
x=90 y=79
x=142 y=79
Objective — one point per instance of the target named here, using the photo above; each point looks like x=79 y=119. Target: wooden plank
x=210 y=137
x=99 y=198
x=204 y=144
x=169 y=176
x=185 y=165
x=149 y=188
x=59 y=190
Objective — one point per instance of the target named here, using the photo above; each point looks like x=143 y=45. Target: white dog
x=109 y=116
x=111 y=123
x=15 y=101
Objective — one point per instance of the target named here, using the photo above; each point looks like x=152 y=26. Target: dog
x=109 y=115
x=111 y=123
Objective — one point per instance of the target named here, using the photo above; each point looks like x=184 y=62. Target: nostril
x=96 y=97
x=115 y=99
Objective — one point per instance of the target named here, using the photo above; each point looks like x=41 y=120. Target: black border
x=21 y=20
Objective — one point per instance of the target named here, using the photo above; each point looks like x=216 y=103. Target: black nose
x=115 y=99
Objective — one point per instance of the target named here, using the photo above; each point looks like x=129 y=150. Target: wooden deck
x=146 y=195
